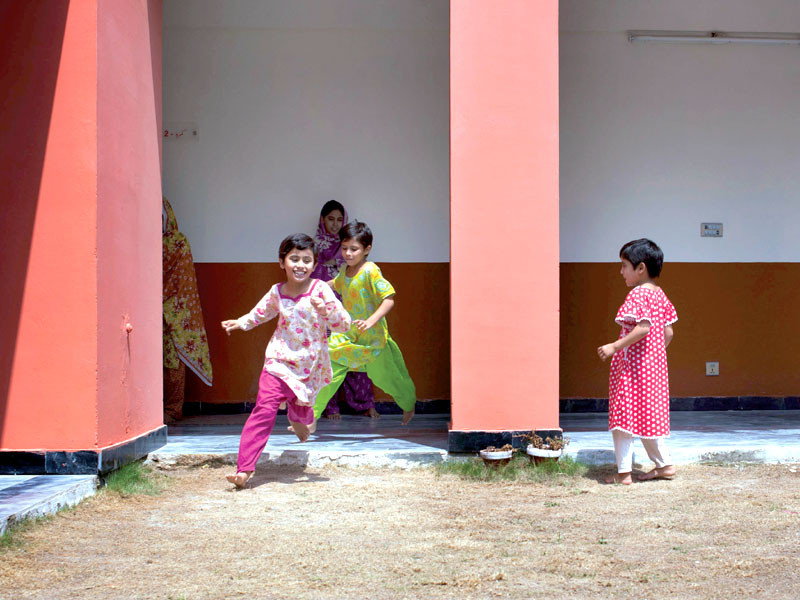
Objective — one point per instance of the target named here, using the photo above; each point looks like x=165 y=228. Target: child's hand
x=606 y=351
x=361 y=325
x=230 y=325
x=319 y=306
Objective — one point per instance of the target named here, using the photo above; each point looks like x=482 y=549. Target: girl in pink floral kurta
x=638 y=403
x=297 y=364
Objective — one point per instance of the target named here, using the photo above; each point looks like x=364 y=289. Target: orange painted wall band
x=724 y=311
x=742 y=315
x=419 y=323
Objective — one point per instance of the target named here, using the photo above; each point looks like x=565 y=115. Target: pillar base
x=474 y=441
x=81 y=462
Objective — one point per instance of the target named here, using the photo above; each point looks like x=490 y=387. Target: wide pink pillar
x=80 y=357
x=504 y=220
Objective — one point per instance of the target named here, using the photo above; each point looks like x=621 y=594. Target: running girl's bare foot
x=311 y=428
x=372 y=413
x=239 y=479
x=300 y=430
x=667 y=472
x=621 y=478
x=333 y=417
x=407 y=416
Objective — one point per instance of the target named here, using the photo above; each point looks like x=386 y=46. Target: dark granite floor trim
x=13 y=462
x=474 y=441
x=423 y=407
x=82 y=462
x=581 y=405
x=114 y=457
x=570 y=405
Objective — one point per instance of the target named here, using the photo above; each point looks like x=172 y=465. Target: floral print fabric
x=297 y=353
x=184 y=333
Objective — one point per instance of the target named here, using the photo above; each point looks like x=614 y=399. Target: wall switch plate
x=710 y=229
x=712 y=368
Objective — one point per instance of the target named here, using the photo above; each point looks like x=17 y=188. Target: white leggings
x=623 y=450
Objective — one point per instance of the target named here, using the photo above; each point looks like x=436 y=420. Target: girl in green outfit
x=367 y=347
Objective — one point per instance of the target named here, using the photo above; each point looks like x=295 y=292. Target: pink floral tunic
x=297 y=353
x=639 y=381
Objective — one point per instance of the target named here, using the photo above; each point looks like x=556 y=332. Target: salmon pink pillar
x=80 y=356
x=504 y=220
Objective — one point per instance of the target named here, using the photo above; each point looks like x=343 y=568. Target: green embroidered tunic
x=361 y=296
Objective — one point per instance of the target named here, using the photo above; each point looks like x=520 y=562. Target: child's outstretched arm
x=230 y=325
x=266 y=309
x=637 y=333
x=382 y=311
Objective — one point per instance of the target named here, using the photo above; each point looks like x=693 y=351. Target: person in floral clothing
x=296 y=364
x=184 y=333
x=355 y=394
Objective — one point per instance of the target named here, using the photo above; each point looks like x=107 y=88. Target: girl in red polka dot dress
x=638 y=399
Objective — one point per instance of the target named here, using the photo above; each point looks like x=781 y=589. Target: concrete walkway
x=697 y=436
x=31 y=496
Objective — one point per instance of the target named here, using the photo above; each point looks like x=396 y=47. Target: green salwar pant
x=387 y=371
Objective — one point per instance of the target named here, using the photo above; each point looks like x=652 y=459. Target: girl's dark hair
x=644 y=251
x=297 y=241
x=329 y=207
x=358 y=231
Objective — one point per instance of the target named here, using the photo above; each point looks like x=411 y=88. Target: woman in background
x=356 y=393
x=185 y=341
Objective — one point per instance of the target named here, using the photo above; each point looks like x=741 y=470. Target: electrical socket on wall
x=712 y=368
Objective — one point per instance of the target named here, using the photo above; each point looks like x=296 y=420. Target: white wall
x=301 y=101
x=657 y=138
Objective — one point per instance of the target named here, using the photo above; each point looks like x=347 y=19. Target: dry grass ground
x=713 y=532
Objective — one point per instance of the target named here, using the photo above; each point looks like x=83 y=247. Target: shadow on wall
x=31 y=36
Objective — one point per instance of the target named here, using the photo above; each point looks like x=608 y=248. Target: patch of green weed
x=518 y=469
x=134 y=479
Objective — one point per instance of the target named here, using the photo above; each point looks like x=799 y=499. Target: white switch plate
x=712 y=368
x=710 y=229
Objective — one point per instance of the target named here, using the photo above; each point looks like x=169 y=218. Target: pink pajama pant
x=271 y=392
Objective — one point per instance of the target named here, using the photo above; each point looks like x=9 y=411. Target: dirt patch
x=382 y=533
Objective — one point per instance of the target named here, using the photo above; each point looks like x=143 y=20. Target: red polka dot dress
x=638 y=398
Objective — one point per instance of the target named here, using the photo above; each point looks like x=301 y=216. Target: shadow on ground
x=286 y=475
